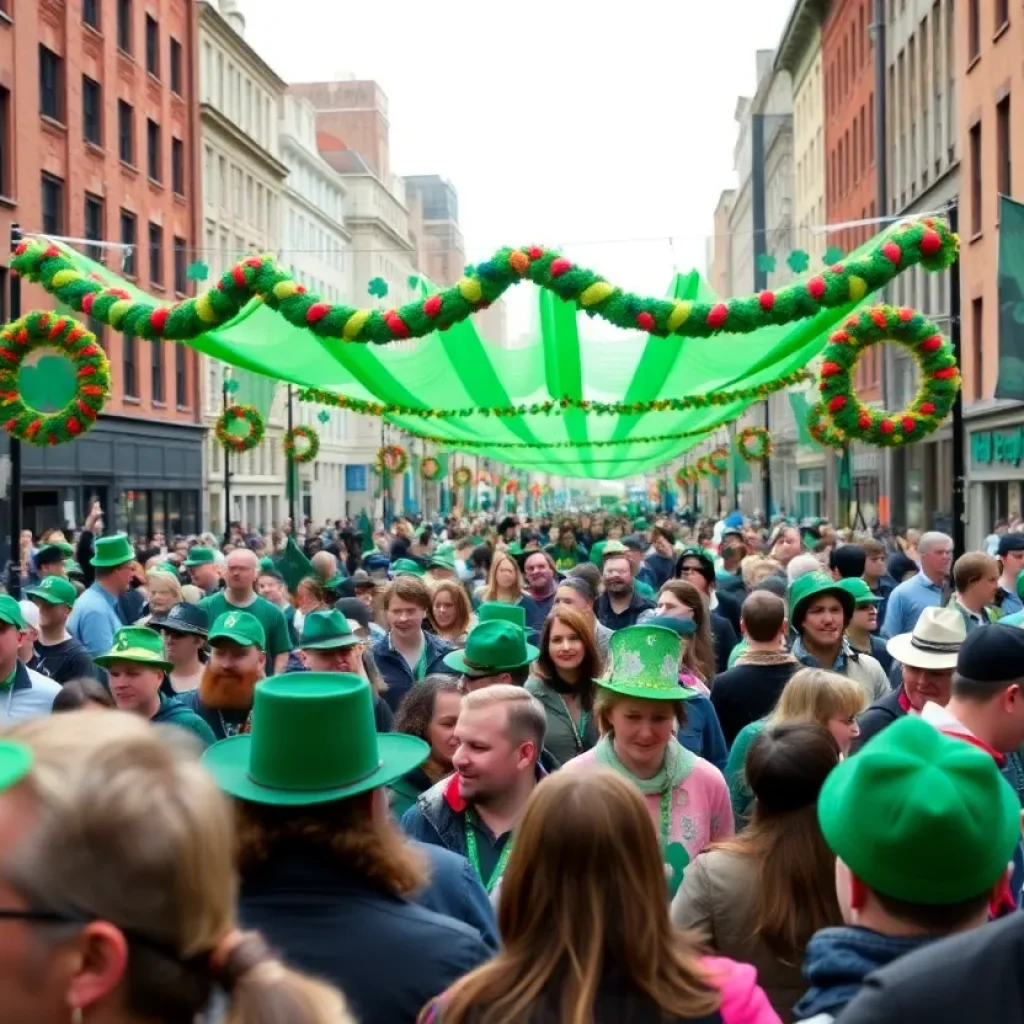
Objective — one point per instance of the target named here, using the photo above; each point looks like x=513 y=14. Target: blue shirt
x=94 y=620
x=907 y=602
x=1011 y=603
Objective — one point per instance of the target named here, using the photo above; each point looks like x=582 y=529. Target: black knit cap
x=994 y=654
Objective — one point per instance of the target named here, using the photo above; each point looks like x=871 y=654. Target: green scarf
x=677 y=766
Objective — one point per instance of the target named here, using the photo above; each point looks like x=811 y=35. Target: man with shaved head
x=240 y=572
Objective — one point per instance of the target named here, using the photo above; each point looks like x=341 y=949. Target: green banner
x=1010 y=382
x=801 y=407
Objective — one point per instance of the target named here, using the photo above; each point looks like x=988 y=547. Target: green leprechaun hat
x=140 y=644
x=112 y=551
x=643 y=661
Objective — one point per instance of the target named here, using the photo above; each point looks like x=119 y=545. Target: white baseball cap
x=30 y=613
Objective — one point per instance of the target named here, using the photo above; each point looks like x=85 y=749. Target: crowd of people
x=512 y=770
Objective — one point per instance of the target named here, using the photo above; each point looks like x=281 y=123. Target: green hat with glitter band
x=643 y=661
x=140 y=644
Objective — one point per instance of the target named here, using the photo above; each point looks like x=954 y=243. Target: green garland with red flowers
x=70 y=339
x=391 y=459
x=291 y=444
x=462 y=477
x=687 y=475
x=239 y=442
x=715 y=463
x=820 y=427
x=430 y=468
x=754 y=444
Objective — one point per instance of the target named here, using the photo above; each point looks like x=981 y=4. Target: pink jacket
x=743 y=1000
x=701 y=809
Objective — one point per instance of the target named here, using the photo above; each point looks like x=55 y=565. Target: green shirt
x=735 y=771
x=643 y=589
x=271 y=618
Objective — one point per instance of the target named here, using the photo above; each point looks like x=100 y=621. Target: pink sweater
x=743 y=1000
x=701 y=809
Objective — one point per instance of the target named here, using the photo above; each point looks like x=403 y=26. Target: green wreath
x=718 y=462
x=754 y=444
x=291 y=448
x=686 y=475
x=462 y=477
x=430 y=468
x=820 y=427
x=86 y=397
x=940 y=378
x=239 y=442
x=391 y=458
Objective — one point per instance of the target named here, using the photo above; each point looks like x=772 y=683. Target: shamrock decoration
x=412 y=281
x=469 y=270
x=677 y=859
x=231 y=385
x=833 y=254
x=377 y=287
x=323 y=415
x=766 y=263
x=197 y=271
x=798 y=261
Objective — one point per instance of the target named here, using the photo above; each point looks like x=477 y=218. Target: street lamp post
x=226 y=398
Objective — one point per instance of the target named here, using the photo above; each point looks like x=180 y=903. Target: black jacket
x=64 y=661
x=395 y=669
x=881 y=714
x=969 y=977
x=746 y=693
x=725 y=640
x=607 y=616
x=389 y=956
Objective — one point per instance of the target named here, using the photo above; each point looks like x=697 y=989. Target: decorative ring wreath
x=92 y=379
x=291 y=447
x=462 y=477
x=512 y=486
x=719 y=461
x=686 y=475
x=820 y=427
x=430 y=468
x=940 y=378
x=238 y=442
x=391 y=459
x=753 y=444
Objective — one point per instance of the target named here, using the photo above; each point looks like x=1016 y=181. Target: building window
x=156 y=254
x=1002 y=13
x=92 y=111
x=153 y=149
x=129 y=365
x=975 y=143
x=977 y=332
x=1004 y=153
x=176 y=67
x=180 y=266
x=53 y=204
x=124 y=25
x=152 y=46
x=973 y=29
x=129 y=239
x=5 y=142
x=156 y=349
x=91 y=13
x=126 y=132
x=51 y=90
x=178 y=166
x=94 y=226
x=181 y=375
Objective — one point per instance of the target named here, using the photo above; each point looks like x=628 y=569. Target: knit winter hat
x=921 y=817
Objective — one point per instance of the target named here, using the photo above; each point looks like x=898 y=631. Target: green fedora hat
x=139 y=644
x=643 y=661
x=54 y=590
x=861 y=593
x=492 y=647
x=499 y=611
x=201 y=556
x=111 y=551
x=406 y=567
x=292 y=756
x=814 y=584
x=326 y=631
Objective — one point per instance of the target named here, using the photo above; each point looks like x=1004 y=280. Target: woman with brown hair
x=99 y=928
x=682 y=600
x=310 y=596
x=504 y=581
x=563 y=681
x=585 y=931
x=450 y=612
x=760 y=896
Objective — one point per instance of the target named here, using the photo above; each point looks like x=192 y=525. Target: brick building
x=98 y=123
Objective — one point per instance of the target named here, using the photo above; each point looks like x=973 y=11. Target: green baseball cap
x=112 y=551
x=858 y=589
x=10 y=612
x=15 y=763
x=326 y=631
x=495 y=611
x=804 y=588
x=54 y=590
x=406 y=567
x=140 y=644
x=643 y=661
x=241 y=627
x=200 y=556
x=492 y=647
x=921 y=816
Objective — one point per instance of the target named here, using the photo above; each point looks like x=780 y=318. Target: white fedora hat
x=935 y=641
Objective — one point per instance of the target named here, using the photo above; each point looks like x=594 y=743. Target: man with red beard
x=237 y=663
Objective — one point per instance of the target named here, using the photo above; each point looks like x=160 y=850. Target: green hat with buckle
x=10 y=612
x=492 y=647
x=54 y=590
x=643 y=661
x=200 y=556
x=326 y=631
x=239 y=626
x=109 y=552
x=814 y=584
x=406 y=567
x=140 y=644
x=858 y=589
x=292 y=758
x=499 y=611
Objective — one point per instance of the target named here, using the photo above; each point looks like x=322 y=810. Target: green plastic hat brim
x=15 y=763
x=457 y=661
x=45 y=595
x=137 y=655
x=331 y=643
x=236 y=636
x=648 y=692
x=228 y=762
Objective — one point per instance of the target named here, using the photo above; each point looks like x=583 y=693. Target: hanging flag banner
x=1010 y=382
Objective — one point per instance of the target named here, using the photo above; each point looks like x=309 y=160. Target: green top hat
x=861 y=593
x=15 y=763
x=920 y=816
x=804 y=588
x=441 y=561
x=492 y=647
x=406 y=567
x=201 y=556
x=112 y=551
x=136 y=643
x=241 y=627
x=643 y=661
x=292 y=756
x=10 y=612
x=326 y=631
x=54 y=590
x=499 y=611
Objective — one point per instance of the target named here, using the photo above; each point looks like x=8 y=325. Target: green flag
x=801 y=407
x=365 y=528
x=293 y=565
x=1010 y=382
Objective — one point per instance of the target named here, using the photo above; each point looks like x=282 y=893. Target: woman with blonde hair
x=679 y=599
x=759 y=897
x=163 y=591
x=755 y=568
x=504 y=581
x=586 y=936
x=451 y=614
x=811 y=695
x=99 y=928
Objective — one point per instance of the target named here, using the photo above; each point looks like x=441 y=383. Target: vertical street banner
x=1010 y=383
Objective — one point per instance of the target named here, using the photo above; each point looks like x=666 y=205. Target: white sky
x=568 y=123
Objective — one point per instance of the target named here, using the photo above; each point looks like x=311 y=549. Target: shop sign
x=1002 y=447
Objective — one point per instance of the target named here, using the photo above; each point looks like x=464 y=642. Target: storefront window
x=174 y=528
x=189 y=512
x=139 y=530
x=158 y=501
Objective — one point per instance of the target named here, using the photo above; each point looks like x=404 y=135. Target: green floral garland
x=92 y=378
x=235 y=442
x=391 y=459
x=462 y=477
x=940 y=378
x=819 y=426
x=430 y=468
x=686 y=475
x=448 y=442
x=291 y=448
x=754 y=444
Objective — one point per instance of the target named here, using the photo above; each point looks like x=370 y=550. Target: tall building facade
x=98 y=136
x=243 y=185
